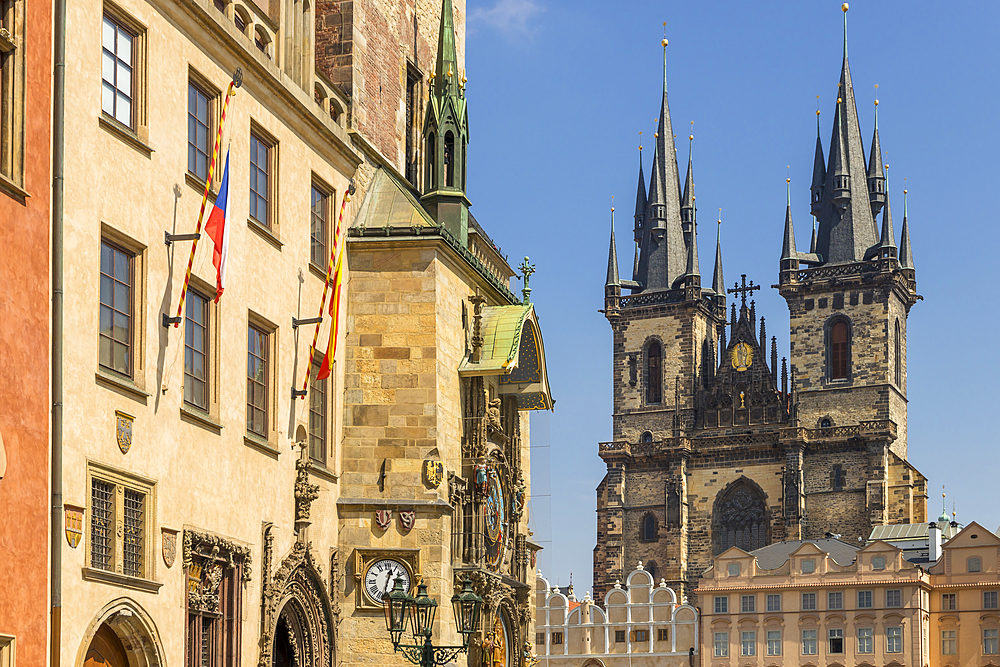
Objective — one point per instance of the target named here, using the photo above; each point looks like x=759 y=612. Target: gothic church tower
x=716 y=446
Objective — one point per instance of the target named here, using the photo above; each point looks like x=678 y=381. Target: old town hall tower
x=716 y=443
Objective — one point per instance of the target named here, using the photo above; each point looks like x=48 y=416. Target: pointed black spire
x=612 y=256
x=687 y=199
x=788 y=243
x=693 y=274
x=640 y=201
x=888 y=242
x=876 y=172
x=718 y=282
x=819 y=173
x=905 y=251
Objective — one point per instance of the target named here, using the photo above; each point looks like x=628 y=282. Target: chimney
x=934 y=542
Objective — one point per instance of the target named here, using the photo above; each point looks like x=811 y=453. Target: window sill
x=199 y=186
x=126 y=134
x=265 y=233
x=321 y=471
x=199 y=417
x=122 y=580
x=9 y=187
x=262 y=445
x=317 y=271
x=122 y=385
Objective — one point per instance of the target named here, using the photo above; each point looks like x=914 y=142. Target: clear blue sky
x=558 y=92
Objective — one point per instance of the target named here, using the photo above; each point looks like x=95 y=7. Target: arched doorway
x=740 y=517
x=121 y=635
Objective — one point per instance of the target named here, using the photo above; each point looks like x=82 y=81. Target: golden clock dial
x=742 y=356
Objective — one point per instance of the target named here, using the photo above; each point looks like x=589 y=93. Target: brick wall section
x=364 y=46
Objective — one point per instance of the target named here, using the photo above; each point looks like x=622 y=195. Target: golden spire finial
x=720 y=216
x=612 y=203
x=876 y=92
x=640 y=139
x=845 y=6
x=664 y=42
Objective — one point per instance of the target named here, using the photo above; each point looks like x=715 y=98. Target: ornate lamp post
x=398 y=605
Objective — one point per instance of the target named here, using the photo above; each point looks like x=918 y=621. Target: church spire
x=888 y=240
x=718 y=282
x=640 y=200
x=788 y=243
x=612 y=257
x=819 y=172
x=905 y=251
x=446 y=129
x=876 y=171
x=687 y=199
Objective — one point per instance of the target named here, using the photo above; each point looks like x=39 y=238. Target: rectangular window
x=809 y=642
x=947 y=642
x=894 y=598
x=991 y=641
x=196 y=350
x=663 y=635
x=866 y=640
x=948 y=602
x=116 y=309
x=836 y=638
x=640 y=636
x=774 y=602
x=721 y=604
x=774 y=642
x=260 y=179
x=539 y=639
x=12 y=86
x=120 y=515
x=257 y=380
x=974 y=564
x=318 y=225
x=619 y=636
x=721 y=645
x=117 y=72
x=894 y=640
x=748 y=604
x=199 y=131
x=878 y=563
x=864 y=599
x=989 y=599
x=214 y=622
x=808 y=601
x=748 y=643
x=317 y=416
x=808 y=566
x=557 y=638
x=835 y=600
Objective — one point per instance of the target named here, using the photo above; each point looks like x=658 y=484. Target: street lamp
x=398 y=605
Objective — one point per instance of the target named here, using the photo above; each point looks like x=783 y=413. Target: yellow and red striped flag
x=331 y=348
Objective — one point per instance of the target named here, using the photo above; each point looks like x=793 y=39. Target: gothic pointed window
x=839 y=350
x=740 y=518
x=654 y=373
x=898 y=357
x=430 y=167
x=648 y=528
x=449 y=160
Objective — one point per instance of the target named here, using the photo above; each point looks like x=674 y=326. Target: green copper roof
x=501 y=329
x=388 y=203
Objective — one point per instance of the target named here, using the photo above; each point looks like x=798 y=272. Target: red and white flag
x=218 y=228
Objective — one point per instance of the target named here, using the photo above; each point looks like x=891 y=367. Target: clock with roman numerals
x=381 y=576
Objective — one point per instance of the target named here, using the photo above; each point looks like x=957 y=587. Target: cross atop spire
x=744 y=290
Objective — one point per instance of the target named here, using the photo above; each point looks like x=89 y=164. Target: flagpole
x=237 y=82
x=326 y=286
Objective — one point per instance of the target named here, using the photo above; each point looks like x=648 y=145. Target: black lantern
x=395 y=604
x=467 y=607
x=422 y=611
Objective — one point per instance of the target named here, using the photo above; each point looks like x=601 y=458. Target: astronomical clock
x=502 y=376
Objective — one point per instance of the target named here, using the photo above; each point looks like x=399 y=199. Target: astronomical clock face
x=495 y=515
x=742 y=356
x=381 y=576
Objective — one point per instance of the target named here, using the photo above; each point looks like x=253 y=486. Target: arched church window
x=839 y=350
x=648 y=528
x=431 y=165
x=650 y=567
x=449 y=159
x=837 y=478
x=654 y=372
x=646 y=437
x=898 y=374
x=740 y=518
x=825 y=423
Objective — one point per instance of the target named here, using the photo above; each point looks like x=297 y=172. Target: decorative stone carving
x=305 y=493
x=433 y=473
x=123 y=430
x=169 y=546
x=206 y=545
x=383 y=518
x=407 y=518
x=205 y=559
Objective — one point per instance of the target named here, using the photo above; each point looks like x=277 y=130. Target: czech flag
x=218 y=228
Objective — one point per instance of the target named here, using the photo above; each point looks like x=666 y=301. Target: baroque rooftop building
x=716 y=444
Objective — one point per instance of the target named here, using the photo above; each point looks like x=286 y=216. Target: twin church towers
x=716 y=445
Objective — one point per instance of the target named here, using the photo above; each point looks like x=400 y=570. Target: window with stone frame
x=740 y=518
x=319 y=226
x=809 y=642
x=948 y=602
x=773 y=642
x=898 y=356
x=990 y=600
x=721 y=604
x=948 y=642
x=654 y=373
x=123 y=77
x=839 y=349
x=202 y=101
x=318 y=400
x=808 y=601
x=894 y=598
x=864 y=599
x=774 y=602
x=835 y=600
x=121 y=510
x=263 y=161
x=557 y=638
x=258 y=380
x=865 y=640
x=748 y=642
x=217 y=571
x=196 y=344
x=649 y=528
x=720 y=641
x=974 y=564
x=991 y=641
x=894 y=639
x=836 y=640
x=117 y=289
x=619 y=636
x=12 y=95
x=837 y=478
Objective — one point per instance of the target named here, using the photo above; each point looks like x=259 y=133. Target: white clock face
x=381 y=578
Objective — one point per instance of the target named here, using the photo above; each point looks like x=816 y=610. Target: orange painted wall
x=24 y=363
